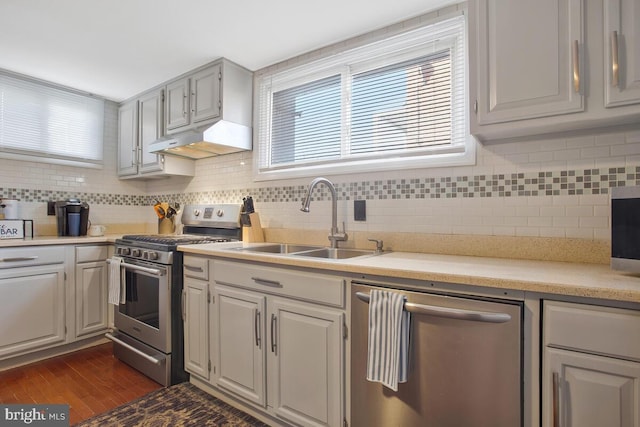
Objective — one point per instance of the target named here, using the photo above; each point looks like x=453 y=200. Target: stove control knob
x=220 y=213
x=136 y=252
x=196 y=212
x=124 y=251
x=150 y=255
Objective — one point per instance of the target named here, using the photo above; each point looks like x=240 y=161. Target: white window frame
x=395 y=49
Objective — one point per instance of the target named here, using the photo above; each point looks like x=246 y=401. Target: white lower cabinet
x=196 y=297
x=32 y=303
x=591 y=378
x=91 y=290
x=304 y=362
x=51 y=295
x=275 y=338
x=238 y=334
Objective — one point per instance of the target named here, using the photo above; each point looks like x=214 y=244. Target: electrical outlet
x=51 y=208
x=360 y=210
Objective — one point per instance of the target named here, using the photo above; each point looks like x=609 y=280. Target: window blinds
x=43 y=123
x=396 y=98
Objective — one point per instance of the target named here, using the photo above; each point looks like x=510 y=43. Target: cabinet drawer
x=593 y=329
x=196 y=267
x=31 y=255
x=316 y=288
x=91 y=253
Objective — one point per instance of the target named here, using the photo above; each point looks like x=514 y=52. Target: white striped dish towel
x=389 y=329
x=116 y=281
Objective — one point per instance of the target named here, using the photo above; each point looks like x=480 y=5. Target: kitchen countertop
x=561 y=278
x=56 y=240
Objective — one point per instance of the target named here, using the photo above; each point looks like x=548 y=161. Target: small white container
x=10 y=208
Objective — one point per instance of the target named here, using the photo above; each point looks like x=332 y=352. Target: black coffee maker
x=73 y=217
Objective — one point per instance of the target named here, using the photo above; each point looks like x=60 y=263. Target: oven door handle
x=154 y=271
x=132 y=348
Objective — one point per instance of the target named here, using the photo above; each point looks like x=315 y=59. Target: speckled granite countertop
x=55 y=240
x=561 y=278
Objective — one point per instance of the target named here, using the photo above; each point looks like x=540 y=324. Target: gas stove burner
x=179 y=239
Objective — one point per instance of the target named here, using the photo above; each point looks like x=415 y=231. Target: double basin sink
x=308 y=251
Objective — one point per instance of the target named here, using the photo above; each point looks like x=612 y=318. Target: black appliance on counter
x=72 y=217
x=149 y=333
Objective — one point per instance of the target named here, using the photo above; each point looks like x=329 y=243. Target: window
x=42 y=123
x=399 y=103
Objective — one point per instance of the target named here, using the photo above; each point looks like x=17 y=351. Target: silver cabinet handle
x=183 y=306
x=447 y=312
x=193 y=268
x=135 y=350
x=256 y=327
x=18 y=259
x=614 y=59
x=267 y=282
x=576 y=66
x=273 y=334
x=556 y=399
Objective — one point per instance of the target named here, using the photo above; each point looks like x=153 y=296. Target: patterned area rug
x=179 y=405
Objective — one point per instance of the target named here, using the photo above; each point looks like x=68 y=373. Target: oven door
x=145 y=314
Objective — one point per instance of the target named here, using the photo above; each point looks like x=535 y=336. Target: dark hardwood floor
x=91 y=381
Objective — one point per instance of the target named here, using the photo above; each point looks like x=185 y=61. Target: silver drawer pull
x=193 y=268
x=447 y=312
x=132 y=348
x=20 y=258
x=267 y=282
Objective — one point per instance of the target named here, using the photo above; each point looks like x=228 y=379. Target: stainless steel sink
x=307 y=251
x=335 y=253
x=281 y=248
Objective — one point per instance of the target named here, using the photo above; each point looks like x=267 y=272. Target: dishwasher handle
x=448 y=312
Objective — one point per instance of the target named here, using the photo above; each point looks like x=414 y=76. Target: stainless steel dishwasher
x=465 y=363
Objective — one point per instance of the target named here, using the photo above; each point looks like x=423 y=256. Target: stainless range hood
x=223 y=137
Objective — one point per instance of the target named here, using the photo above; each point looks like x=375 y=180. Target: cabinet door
x=32 y=303
x=196 y=327
x=239 y=335
x=151 y=128
x=591 y=391
x=622 y=52
x=205 y=95
x=523 y=59
x=177 y=105
x=91 y=298
x=305 y=354
x=128 y=139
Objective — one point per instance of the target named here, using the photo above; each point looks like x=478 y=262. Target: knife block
x=252 y=229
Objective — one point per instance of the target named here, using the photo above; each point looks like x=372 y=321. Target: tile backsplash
x=543 y=188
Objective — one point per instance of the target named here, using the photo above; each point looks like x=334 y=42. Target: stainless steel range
x=149 y=332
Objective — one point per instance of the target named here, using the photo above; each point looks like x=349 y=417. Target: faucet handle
x=379 y=244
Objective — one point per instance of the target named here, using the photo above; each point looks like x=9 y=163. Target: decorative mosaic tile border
x=555 y=183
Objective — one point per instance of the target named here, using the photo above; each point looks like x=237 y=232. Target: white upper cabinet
x=536 y=67
x=205 y=94
x=622 y=52
x=194 y=100
x=141 y=122
x=177 y=104
x=150 y=114
x=525 y=61
x=128 y=139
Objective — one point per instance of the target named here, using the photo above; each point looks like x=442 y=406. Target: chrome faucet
x=335 y=236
